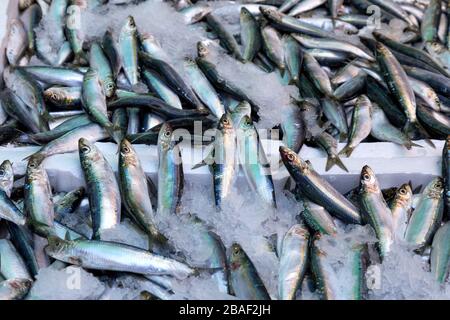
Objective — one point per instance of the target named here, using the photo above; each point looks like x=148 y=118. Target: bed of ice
x=404 y=274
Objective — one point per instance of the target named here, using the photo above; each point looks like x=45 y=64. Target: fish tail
x=411 y=126
x=347 y=151
x=411 y=144
x=331 y=161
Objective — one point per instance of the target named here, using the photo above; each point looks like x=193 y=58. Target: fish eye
x=236 y=249
x=402 y=191
x=126 y=149
x=2 y=172
x=32 y=165
x=225 y=121
x=167 y=133
x=438 y=184
x=290 y=157
x=366 y=176
x=85 y=149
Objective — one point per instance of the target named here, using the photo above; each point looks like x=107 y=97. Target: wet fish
x=245 y=282
x=329 y=145
x=102 y=188
x=250 y=35
x=427 y=215
x=17 y=42
x=157 y=85
x=375 y=210
x=318 y=190
x=170 y=172
x=383 y=130
x=294 y=254
x=63 y=97
x=99 y=62
x=317 y=217
x=6 y=177
x=103 y=255
x=226 y=38
x=254 y=162
x=446 y=174
x=401 y=208
x=128 y=48
x=135 y=191
x=361 y=125
x=13 y=266
x=14 y=289
x=440 y=253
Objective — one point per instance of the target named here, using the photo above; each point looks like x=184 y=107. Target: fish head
x=165 y=136
x=130 y=26
x=87 y=150
x=435 y=46
x=435 y=188
x=225 y=123
x=127 y=154
x=6 y=175
x=246 y=124
x=56 y=95
x=293 y=162
x=271 y=14
x=202 y=49
x=368 y=180
x=19 y=286
x=57 y=247
x=237 y=256
x=245 y=13
x=403 y=195
x=382 y=50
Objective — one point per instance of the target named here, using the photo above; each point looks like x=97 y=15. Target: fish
x=102 y=188
x=128 y=49
x=375 y=210
x=294 y=257
x=55 y=76
x=446 y=174
x=226 y=38
x=170 y=172
x=17 y=43
x=14 y=289
x=63 y=97
x=293 y=57
x=273 y=46
x=427 y=215
x=157 y=85
x=172 y=78
x=104 y=255
x=203 y=88
x=440 y=253
x=94 y=103
x=317 y=75
x=317 y=189
x=351 y=88
x=13 y=266
x=68 y=142
x=38 y=204
x=383 y=130
x=111 y=50
x=329 y=285
x=401 y=208
x=430 y=21
x=135 y=191
x=361 y=125
x=329 y=145
x=74 y=31
x=250 y=35
x=6 y=177
x=294 y=131
x=335 y=114
x=99 y=62
x=69 y=202
x=317 y=217
x=245 y=281
x=224 y=159
x=254 y=162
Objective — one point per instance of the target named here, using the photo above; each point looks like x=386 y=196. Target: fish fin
x=152 y=190
x=417 y=189
x=47 y=117
x=410 y=126
x=272 y=241
x=331 y=161
x=208 y=160
x=115 y=131
x=411 y=144
x=67 y=236
x=35 y=156
x=347 y=151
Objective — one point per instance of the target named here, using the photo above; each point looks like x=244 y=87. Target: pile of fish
x=350 y=76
